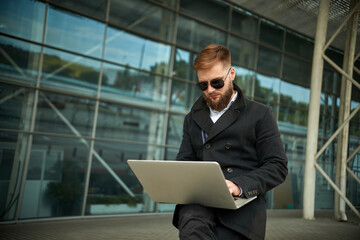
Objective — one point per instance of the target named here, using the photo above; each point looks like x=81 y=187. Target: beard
x=222 y=102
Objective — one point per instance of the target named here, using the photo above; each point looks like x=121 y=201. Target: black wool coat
x=246 y=142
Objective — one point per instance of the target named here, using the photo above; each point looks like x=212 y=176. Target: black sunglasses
x=215 y=83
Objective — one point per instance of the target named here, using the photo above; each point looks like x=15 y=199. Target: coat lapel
x=228 y=118
x=202 y=118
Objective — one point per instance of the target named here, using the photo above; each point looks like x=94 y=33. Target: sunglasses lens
x=217 y=83
x=202 y=85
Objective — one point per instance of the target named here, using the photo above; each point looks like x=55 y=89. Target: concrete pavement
x=282 y=224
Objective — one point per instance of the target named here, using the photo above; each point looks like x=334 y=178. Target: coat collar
x=201 y=115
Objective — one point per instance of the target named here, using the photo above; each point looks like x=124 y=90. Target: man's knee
x=196 y=222
x=196 y=211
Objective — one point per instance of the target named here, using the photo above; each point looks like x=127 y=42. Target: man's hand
x=233 y=188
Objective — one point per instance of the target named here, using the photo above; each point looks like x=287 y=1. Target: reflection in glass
x=244 y=24
x=295 y=150
x=183 y=64
x=271 y=34
x=13 y=148
x=174 y=131
x=269 y=61
x=183 y=95
x=242 y=52
x=129 y=123
x=91 y=8
x=267 y=89
x=299 y=45
x=294 y=102
x=15 y=112
x=64 y=114
x=22 y=18
x=143 y=17
x=293 y=115
x=209 y=11
x=70 y=72
x=294 y=95
x=133 y=86
x=329 y=109
x=18 y=60
x=128 y=49
x=117 y=190
x=74 y=32
x=297 y=70
x=332 y=82
x=171 y=153
x=244 y=79
x=55 y=179
x=196 y=36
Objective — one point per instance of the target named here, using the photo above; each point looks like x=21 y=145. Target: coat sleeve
x=272 y=169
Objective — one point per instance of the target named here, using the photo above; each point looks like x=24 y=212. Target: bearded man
x=243 y=137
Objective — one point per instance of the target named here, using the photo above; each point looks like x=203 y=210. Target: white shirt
x=215 y=115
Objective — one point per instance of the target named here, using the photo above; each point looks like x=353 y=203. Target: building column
x=344 y=112
x=314 y=111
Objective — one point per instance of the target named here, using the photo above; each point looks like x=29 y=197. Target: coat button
x=229 y=170
x=228 y=146
x=208 y=146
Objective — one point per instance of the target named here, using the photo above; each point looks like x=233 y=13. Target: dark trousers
x=197 y=222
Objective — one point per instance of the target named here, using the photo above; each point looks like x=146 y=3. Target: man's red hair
x=210 y=55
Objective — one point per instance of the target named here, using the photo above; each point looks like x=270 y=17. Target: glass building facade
x=86 y=85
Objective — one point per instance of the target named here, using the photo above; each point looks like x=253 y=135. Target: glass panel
x=294 y=95
x=128 y=123
x=183 y=64
x=294 y=102
x=15 y=107
x=73 y=32
x=297 y=71
x=143 y=17
x=23 y=18
x=244 y=79
x=171 y=153
x=196 y=36
x=64 y=114
x=242 y=52
x=295 y=150
x=271 y=34
x=332 y=82
x=95 y=9
x=329 y=111
x=12 y=156
x=175 y=131
x=335 y=56
x=55 y=183
x=113 y=187
x=70 y=72
x=354 y=130
x=210 y=11
x=169 y=3
x=267 y=89
x=298 y=45
x=128 y=85
x=245 y=24
x=269 y=61
x=19 y=60
x=128 y=49
x=183 y=96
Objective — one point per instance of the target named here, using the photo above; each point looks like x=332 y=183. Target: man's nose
x=210 y=89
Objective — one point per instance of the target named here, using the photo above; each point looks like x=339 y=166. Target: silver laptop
x=186 y=182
